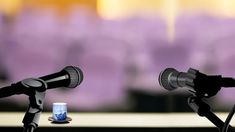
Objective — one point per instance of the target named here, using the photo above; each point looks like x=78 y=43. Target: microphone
x=199 y=83
x=69 y=77
x=171 y=79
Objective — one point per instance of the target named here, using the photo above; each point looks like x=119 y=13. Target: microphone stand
x=203 y=109
x=207 y=86
x=36 y=99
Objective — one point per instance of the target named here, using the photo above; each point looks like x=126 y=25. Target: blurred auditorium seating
x=117 y=56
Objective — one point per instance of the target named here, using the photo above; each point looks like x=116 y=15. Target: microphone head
x=75 y=75
x=164 y=78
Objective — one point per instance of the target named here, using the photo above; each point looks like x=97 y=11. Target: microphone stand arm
x=206 y=86
x=203 y=109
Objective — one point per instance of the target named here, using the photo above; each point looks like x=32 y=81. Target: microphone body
x=171 y=79
x=70 y=77
x=202 y=84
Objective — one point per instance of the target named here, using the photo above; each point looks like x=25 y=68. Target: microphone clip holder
x=203 y=85
x=203 y=109
x=36 y=92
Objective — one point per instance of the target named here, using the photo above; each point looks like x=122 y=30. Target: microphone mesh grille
x=164 y=78
x=75 y=74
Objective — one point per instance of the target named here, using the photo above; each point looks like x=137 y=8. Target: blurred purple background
x=116 y=56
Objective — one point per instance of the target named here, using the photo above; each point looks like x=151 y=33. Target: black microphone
x=69 y=77
x=202 y=84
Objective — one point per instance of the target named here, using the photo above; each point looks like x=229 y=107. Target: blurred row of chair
x=115 y=55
